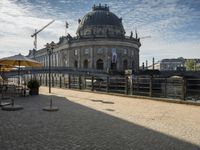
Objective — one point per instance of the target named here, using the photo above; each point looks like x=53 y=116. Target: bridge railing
x=193 y=89
x=144 y=85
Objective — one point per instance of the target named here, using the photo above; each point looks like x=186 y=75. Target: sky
x=174 y=25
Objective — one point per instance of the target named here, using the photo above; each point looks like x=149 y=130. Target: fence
x=145 y=85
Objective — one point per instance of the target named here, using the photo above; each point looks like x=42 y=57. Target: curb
x=177 y=101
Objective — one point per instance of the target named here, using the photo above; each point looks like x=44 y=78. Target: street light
x=50 y=48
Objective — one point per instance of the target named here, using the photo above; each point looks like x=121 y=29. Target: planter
x=33 y=85
x=34 y=91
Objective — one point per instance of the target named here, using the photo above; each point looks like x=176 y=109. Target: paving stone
x=81 y=124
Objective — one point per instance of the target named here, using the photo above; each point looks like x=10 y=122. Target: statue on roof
x=131 y=36
x=79 y=20
x=136 y=35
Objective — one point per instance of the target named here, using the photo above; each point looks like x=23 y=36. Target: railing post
x=43 y=79
x=46 y=80
x=64 y=81
x=79 y=82
x=107 y=83
x=52 y=80
x=165 y=88
x=69 y=81
x=131 y=84
x=40 y=79
x=138 y=84
x=60 y=81
x=184 y=90
x=151 y=86
x=126 y=85
x=92 y=83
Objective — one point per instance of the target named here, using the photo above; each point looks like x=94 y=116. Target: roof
x=100 y=16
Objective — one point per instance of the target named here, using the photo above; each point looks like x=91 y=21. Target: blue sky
x=174 y=25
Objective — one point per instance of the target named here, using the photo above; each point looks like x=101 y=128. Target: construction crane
x=35 y=35
x=136 y=35
x=145 y=37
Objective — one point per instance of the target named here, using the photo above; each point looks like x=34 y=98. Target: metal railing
x=144 y=85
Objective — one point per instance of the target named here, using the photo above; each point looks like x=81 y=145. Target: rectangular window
x=100 y=50
x=87 y=51
x=125 y=51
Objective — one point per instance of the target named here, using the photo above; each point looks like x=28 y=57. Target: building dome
x=100 y=23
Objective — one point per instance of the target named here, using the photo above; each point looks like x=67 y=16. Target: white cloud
x=168 y=24
x=186 y=49
x=17 y=25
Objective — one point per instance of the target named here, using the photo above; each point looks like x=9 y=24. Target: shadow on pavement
x=76 y=127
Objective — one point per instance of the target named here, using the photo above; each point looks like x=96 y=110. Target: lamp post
x=50 y=48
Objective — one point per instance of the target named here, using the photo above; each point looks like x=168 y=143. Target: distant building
x=176 y=64
x=172 y=64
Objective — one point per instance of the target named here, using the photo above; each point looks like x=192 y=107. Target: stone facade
x=100 y=44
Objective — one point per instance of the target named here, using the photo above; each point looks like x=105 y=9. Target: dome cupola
x=100 y=22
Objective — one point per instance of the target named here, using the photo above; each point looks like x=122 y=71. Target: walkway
x=98 y=121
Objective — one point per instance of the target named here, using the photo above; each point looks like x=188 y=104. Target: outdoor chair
x=26 y=91
x=4 y=92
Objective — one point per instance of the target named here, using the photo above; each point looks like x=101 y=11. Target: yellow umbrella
x=5 y=68
x=20 y=60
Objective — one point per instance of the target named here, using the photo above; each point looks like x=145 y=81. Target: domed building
x=100 y=43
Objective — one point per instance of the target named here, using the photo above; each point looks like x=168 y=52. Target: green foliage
x=190 y=64
x=198 y=67
x=33 y=84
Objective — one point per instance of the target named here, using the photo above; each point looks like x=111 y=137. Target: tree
x=198 y=66
x=190 y=64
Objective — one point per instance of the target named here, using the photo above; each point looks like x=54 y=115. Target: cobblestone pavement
x=87 y=121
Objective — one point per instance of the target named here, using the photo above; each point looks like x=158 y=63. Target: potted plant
x=33 y=85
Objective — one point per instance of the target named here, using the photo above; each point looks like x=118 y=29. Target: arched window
x=85 y=64
x=99 y=64
x=76 y=64
x=113 y=66
x=125 y=64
